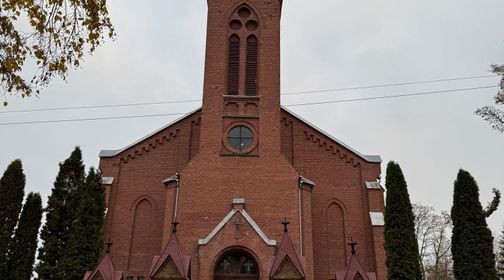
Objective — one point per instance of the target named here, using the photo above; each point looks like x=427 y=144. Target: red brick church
x=241 y=188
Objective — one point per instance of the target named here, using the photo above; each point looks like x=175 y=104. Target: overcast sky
x=159 y=55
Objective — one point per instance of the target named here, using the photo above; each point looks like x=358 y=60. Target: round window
x=240 y=137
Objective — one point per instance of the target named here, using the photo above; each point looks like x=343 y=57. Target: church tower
x=240 y=171
x=242 y=78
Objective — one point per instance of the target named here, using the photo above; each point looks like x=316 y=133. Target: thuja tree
x=12 y=186
x=500 y=256
x=84 y=238
x=403 y=261
x=24 y=244
x=472 y=241
x=54 y=234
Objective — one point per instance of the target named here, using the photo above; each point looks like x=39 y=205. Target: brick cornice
x=332 y=148
x=148 y=145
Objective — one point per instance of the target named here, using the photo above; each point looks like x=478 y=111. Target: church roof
x=353 y=269
x=368 y=158
x=106 y=269
x=173 y=251
x=112 y=153
x=287 y=250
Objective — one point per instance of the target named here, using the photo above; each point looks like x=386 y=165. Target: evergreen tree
x=12 y=186
x=84 y=238
x=403 y=261
x=472 y=241
x=54 y=233
x=500 y=256
x=24 y=245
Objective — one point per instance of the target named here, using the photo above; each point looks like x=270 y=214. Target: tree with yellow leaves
x=54 y=33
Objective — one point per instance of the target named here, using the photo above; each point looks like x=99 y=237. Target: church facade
x=241 y=188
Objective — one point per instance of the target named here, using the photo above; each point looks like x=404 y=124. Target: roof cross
x=353 y=244
x=174 y=226
x=109 y=244
x=285 y=223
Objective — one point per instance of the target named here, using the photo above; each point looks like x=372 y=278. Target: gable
x=152 y=140
x=354 y=271
x=228 y=219
x=168 y=271
x=171 y=264
x=98 y=276
x=287 y=260
x=332 y=144
x=287 y=270
x=358 y=277
x=104 y=270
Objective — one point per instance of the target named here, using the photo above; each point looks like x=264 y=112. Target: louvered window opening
x=233 y=65
x=251 y=67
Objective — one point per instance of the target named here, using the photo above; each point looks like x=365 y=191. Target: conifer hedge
x=54 y=233
x=472 y=241
x=401 y=247
x=24 y=245
x=12 y=186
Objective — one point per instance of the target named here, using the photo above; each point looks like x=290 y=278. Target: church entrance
x=236 y=265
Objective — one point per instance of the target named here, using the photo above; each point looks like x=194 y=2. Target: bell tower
x=242 y=79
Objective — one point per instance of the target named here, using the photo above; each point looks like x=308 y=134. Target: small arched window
x=233 y=65
x=251 y=66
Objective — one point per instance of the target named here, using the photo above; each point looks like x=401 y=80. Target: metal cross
x=238 y=223
x=248 y=266
x=109 y=244
x=226 y=266
x=285 y=223
x=353 y=244
x=174 y=226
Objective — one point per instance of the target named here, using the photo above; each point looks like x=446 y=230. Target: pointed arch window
x=243 y=52
x=251 y=66
x=233 y=65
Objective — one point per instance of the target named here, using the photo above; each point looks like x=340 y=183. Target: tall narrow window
x=233 y=65
x=251 y=67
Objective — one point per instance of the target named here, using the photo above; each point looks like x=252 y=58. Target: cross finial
x=238 y=222
x=285 y=223
x=353 y=244
x=174 y=226
x=109 y=244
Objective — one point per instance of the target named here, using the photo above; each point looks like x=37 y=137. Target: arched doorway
x=236 y=265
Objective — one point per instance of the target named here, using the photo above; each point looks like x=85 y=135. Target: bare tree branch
x=491 y=114
x=433 y=235
x=492 y=206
